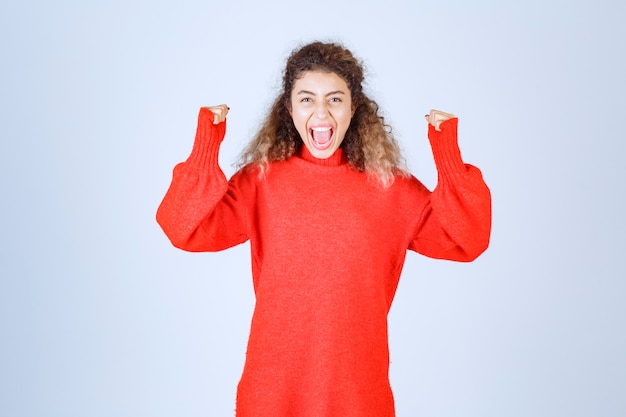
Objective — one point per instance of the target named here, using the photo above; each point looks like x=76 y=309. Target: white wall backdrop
x=101 y=316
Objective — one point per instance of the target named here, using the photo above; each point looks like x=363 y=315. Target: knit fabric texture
x=327 y=249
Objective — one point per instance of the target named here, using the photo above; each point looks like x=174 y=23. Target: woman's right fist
x=219 y=113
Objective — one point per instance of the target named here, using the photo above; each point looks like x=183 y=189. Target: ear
x=354 y=101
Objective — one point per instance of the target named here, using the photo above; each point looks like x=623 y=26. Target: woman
x=330 y=212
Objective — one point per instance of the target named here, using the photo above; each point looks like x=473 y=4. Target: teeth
x=325 y=132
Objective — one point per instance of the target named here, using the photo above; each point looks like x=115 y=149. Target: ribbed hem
x=209 y=136
x=445 y=148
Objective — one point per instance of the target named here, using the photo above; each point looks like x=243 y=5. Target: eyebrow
x=327 y=94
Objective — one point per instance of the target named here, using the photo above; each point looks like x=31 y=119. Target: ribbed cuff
x=445 y=148
x=209 y=136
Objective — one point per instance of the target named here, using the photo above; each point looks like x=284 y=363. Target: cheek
x=300 y=116
x=299 y=121
x=346 y=117
x=296 y=117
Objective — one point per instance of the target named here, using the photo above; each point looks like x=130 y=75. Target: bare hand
x=220 y=113
x=436 y=118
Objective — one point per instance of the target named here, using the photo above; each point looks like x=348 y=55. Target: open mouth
x=321 y=137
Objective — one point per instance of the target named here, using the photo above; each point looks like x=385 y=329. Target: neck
x=335 y=159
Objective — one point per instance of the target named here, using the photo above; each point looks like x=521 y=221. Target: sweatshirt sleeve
x=201 y=210
x=455 y=224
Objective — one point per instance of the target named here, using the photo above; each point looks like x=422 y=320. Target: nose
x=321 y=110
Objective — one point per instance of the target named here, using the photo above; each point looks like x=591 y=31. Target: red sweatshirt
x=327 y=247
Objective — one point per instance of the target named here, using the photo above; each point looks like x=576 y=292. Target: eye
x=306 y=100
x=335 y=100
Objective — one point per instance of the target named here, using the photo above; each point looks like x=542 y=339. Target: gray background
x=101 y=316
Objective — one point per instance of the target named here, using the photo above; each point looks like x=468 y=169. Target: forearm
x=198 y=184
x=456 y=223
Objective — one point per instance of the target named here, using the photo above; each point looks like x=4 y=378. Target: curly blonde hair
x=369 y=144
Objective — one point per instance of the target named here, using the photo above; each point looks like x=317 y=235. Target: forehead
x=320 y=82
